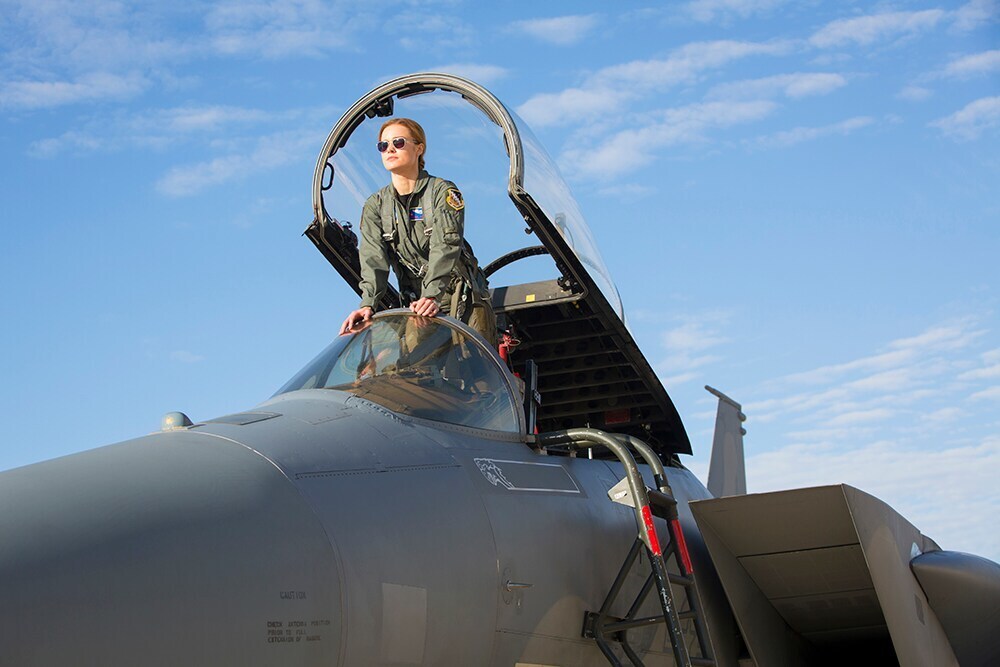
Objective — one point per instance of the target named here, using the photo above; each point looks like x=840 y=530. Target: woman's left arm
x=447 y=233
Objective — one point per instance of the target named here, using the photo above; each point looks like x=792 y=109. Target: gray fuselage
x=319 y=529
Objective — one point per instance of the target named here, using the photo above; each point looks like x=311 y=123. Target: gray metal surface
x=172 y=549
x=822 y=572
x=415 y=545
x=768 y=637
x=964 y=592
x=727 y=475
x=330 y=533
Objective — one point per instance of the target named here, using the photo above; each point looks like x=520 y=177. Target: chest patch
x=416 y=213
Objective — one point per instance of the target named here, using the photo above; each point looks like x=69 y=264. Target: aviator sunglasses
x=397 y=143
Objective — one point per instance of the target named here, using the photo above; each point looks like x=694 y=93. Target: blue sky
x=798 y=201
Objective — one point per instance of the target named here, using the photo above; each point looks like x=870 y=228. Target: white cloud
x=275 y=29
x=632 y=149
x=833 y=371
x=686 y=361
x=270 y=152
x=205 y=118
x=609 y=89
x=275 y=42
x=686 y=345
x=160 y=128
x=114 y=38
x=896 y=379
x=953 y=336
x=684 y=64
x=800 y=134
x=670 y=380
x=99 y=35
x=911 y=371
x=974 y=65
x=71 y=141
x=186 y=357
x=86 y=88
x=571 y=105
x=190 y=179
x=226 y=123
x=709 y=10
x=859 y=417
x=991 y=394
x=629 y=191
x=944 y=415
x=482 y=74
x=435 y=32
x=914 y=93
x=560 y=30
x=768 y=409
x=973 y=14
x=791 y=85
x=986 y=373
x=59 y=52
x=865 y=30
x=972 y=120
x=694 y=335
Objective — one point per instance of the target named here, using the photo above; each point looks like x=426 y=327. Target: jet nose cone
x=171 y=549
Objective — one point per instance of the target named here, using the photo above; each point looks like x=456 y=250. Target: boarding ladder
x=601 y=625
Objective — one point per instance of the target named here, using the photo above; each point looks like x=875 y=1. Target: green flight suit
x=426 y=249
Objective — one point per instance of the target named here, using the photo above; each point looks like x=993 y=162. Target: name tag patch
x=416 y=214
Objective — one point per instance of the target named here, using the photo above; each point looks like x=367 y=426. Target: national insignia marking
x=454 y=199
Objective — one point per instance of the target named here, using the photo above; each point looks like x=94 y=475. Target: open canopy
x=557 y=298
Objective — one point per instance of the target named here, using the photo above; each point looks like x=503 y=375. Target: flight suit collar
x=423 y=178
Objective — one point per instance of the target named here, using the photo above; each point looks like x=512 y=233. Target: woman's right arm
x=373 y=254
x=374 y=259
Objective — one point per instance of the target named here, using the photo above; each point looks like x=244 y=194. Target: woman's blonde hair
x=414 y=128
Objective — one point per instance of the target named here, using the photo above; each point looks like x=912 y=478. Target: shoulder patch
x=455 y=200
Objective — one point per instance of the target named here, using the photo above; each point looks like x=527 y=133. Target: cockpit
x=559 y=313
x=429 y=368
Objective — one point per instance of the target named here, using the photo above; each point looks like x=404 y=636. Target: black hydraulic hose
x=512 y=257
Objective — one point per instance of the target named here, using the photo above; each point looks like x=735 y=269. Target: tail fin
x=727 y=475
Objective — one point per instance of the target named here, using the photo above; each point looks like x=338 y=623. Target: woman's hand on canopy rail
x=425 y=307
x=357 y=319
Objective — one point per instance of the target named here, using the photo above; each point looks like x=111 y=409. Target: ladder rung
x=628 y=624
x=702 y=662
x=618 y=626
x=679 y=580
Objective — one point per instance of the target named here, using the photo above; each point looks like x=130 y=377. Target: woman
x=415 y=226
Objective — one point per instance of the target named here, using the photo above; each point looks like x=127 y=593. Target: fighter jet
x=415 y=496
